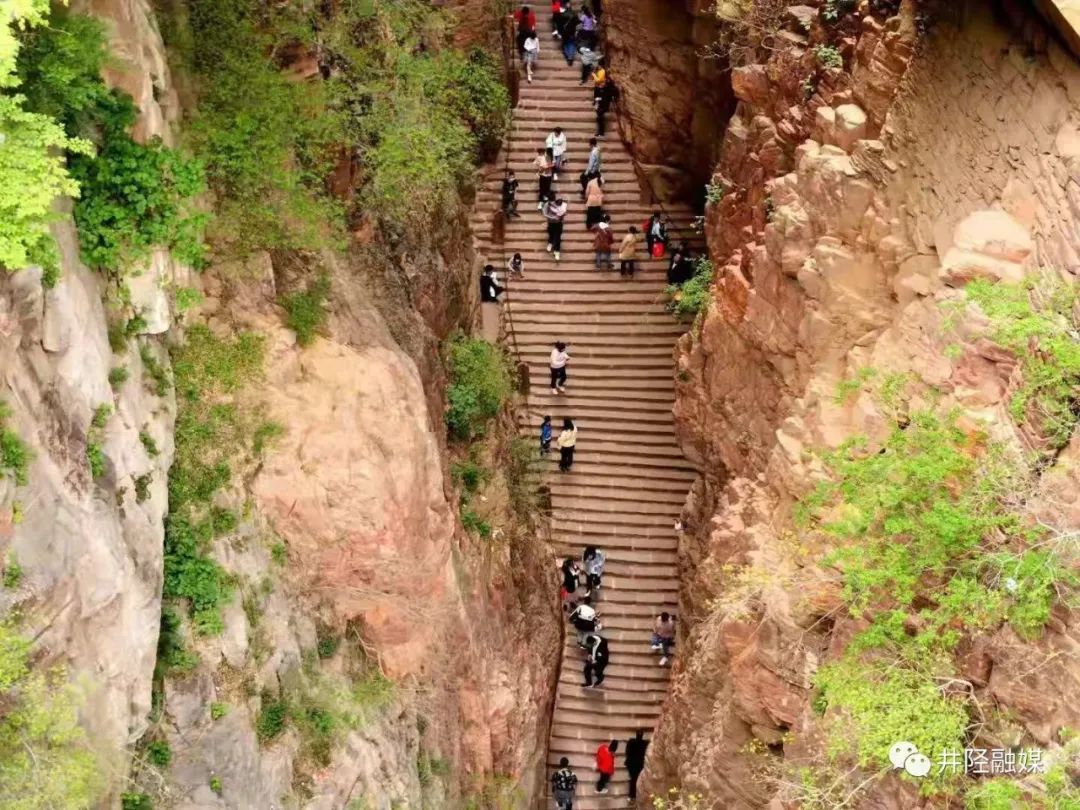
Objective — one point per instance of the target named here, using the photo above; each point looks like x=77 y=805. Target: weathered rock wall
x=675 y=100
x=91 y=549
x=357 y=489
x=856 y=201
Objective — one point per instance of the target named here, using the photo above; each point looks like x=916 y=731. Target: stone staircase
x=629 y=478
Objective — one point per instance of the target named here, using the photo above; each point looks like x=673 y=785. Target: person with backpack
x=530 y=53
x=655 y=233
x=584 y=620
x=589 y=60
x=555 y=212
x=605 y=764
x=592 y=560
x=509 y=195
x=564 y=785
x=596 y=660
x=663 y=637
x=635 y=760
x=567 y=442
x=544 y=163
x=628 y=253
x=559 y=358
x=556 y=142
x=545 y=437
x=603 y=240
x=489 y=285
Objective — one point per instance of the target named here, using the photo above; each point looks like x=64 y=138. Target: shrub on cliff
x=32 y=167
x=45 y=758
x=480 y=384
x=688 y=299
x=1038 y=323
x=133 y=197
x=215 y=429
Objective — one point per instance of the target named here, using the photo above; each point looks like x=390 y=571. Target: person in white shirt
x=556 y=142
x=559 y=359
x=532 y=53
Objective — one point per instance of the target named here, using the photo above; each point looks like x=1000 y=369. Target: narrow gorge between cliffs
x=276 y=528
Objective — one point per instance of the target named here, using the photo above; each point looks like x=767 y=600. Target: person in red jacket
x=525 y=18
x=605 y=764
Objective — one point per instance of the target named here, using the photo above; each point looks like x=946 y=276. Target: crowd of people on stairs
x=580 y=592
x=577 y=33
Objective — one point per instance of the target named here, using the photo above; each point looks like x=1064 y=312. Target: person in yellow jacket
x=628 y=252
x=567 y=440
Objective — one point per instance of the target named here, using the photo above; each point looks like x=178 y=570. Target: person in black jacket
x=564 y=785
x=596 y=651
x=489 y=285
x=635 y=760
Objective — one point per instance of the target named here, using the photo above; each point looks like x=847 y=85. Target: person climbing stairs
x=625 y=490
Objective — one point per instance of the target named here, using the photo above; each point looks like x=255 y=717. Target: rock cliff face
x=91 y=548
x=857 y=199
x=676 y=97
x=349 y=533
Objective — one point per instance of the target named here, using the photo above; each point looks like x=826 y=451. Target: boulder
x=988 y=244
x=850 y=126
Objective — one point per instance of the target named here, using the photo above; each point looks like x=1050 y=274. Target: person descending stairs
x=628 y=481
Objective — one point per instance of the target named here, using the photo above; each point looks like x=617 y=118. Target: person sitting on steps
x=663 y=637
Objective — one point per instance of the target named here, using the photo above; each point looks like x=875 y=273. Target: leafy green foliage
x=45 y=758
x=271 y=719
x=149 y=445
x=481 y=383
x=869 y=707
x=32 y=168
x=468 y=474
x=306 y=310
x=159 y=753
x=932 y=546
x=833 y=10
x=212 y=429
x=135 y=801
x=994 y=794
x=15 y=456
x=118 y=376
x=134 y=196
x=218 y=710
x=1038 y=324
x=173 y=658
x=687 y=300
x=828 y=57
x=215 y=784
x=420 y=113
x=142 y=487
x=472 y=522
x=267 y=143
x=714 y=193
x=155 y=370
x=13 y=573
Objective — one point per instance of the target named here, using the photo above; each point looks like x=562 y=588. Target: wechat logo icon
x=906 y=755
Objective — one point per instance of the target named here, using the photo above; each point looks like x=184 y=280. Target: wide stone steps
x=629 y=479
